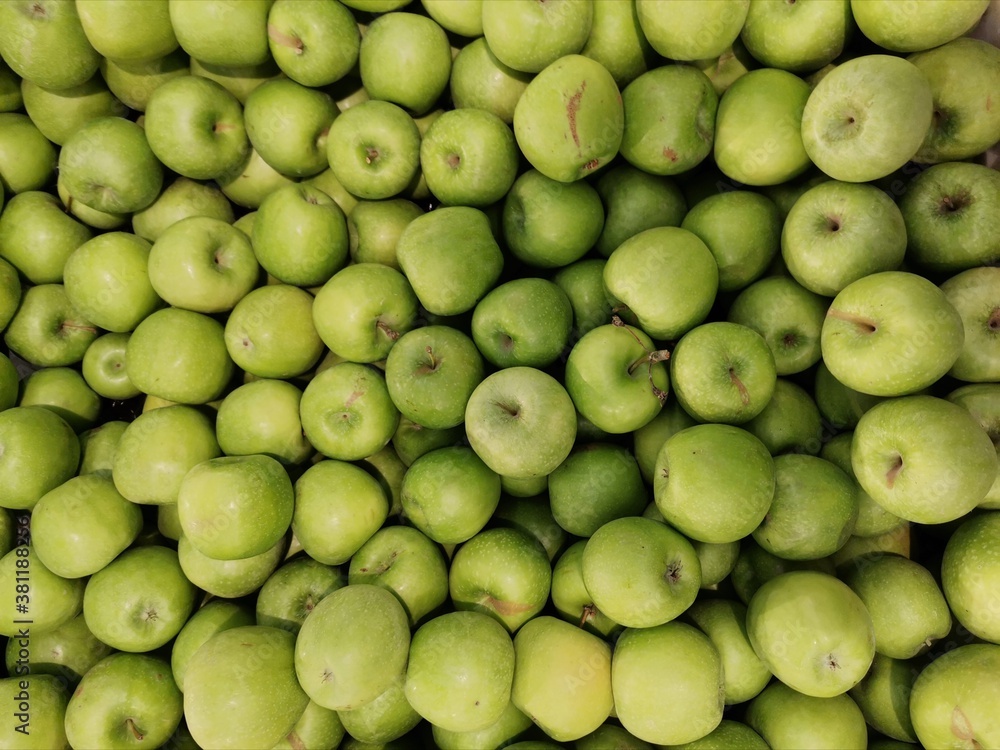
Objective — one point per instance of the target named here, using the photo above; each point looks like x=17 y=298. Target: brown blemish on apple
x=588 y=613
x=744 y=393
x=326 y=676
x=38 y=10
x=831 y=663
x=962 y=728
x=223 y=127
x=669 y=153
x=294 y=741
x=673 y=572
x=352 y=398
x=285 y=40
x=989 y=102
x=572 y=107
x=864 y=325
x=504 y=609
x=390 y=333
x=893 y=473
x=591 y=165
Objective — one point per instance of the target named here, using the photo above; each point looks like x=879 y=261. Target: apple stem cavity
x=864 y=325
x=744 y=393
x=285 y=40
x=893 y=473
x=993 y=322
x=391 y=334
x=130 y=723
x=66 y=326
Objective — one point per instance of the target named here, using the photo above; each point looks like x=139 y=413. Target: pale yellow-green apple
x=59 y=113
x=40 y=452
x=315 y=42
x=67 y=652
x=597 y=483
x=891 y=333
x=689 y=29
x=241 y=690
x=973 y=294
x=480 y=80
x=180 y=199
x=616 y=41
x=947 y=224
x=511 y=726
x=873 y=519
x=570 y=597
x=44 y=42
x=212 y=617
x=107 y=279
x=855 y=136
x=238 y=80
x=294 y=590
x=119 y=30
x=140 y=600
x=668 y=712
x=46 y=330
x=373 y=229
x=529 y=36
x=923 y=458
x=385 y=719
x=798 y=37
x=221 y=32
x=262 y=417
x=884 y=697
x=51 y=601
x=569 y=120
x=980 y=399
x=562 y=678
x=714 y=482
x=249 y=184
x=634 y=201
x=968 y=574
x=729 y=735
x=316 y=727
x=659 y=564
x=158 y=448
x=228 y=579
x=359 y=633
x=27 y=158
x=921 y=26
x=784 y=717
x=669 y=140
x=64 y=391
x=37 y=236
x=724 y=622
x=812 y=631
x=134 y=82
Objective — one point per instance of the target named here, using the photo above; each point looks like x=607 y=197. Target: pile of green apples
x=467 y=374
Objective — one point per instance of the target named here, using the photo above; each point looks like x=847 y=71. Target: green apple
x=235 y=507
x=318 y=247
x=468 y=157
x=262 y=417
x=895 y=463
x=509 y=728
x=99 y=446
x=82 y=525
x=798 y=37
x=67 y=652
x=222 y=32
x=635 y=201
x=431 y=373
x=10 y=90
x=9 y=383
x=270 y=333
x=521 y=422
x=64 y=391
x=583 y=282
x=133 y=82
x=884 y=697
x=360 y=634
x=338 y=506
x=10 y=292
x=38 y=707
x=407 y=563
x=968 y=573
x=412 y=440
x=873 y=519
x=195 y=127
x=117 y=29
x=562 y=678
x=790 y=423
x=347 y=413
x=501 y=572
x=157 y=449
x=980 y=400
x=460 y=671
x=479 y=80
x=39 y=452
x=860 y=548
x=641 y=573
x=450 y=257
x=724 y=622
x=46 y=330
x=60 y=113
x=316 y=727
x=107 y=279
x=839 y=405
x=140 y=600
x=812 y=631
x=27 y=158
x=464 y=17
x=714 y=482
x=952 y=699
x=315 y=43
x=250 y=183
x=684 y=708
x=373 y=229
x=329 y=184
x=386 y=718
x=179 y=355
x=891 y=333
x=124 y=699
x=689 y=29
x=569 y=121
x=597 y=483
x=528 y=36
x=533 y=517
x=241 y=691
x=617 y=42
x=294 y=590
x=786 y=718
x=551 y=224
x=229 y=579
x=450 y=494
x=948 y=227
x=854 y=136
x=649 y=439
x=729 y=735
x=570 y=597
x=44 y=42
x=212 y=617
x=374 y=149
x=676 y=142
x=287 y=125
x=180 y=199
x=50 y=600
x=908 y=29
x=972 y=293
x=390 y=49
x=128 y=181
x=37 y=236
x=643 y=265
x=838 y=232
x=90 y=216
x=238 y=80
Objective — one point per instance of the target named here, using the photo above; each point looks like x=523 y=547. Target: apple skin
x=37 y=236
x=40 y=452
x=480 y=80
x=140 y=600
x=9 y=379
x=359 y=632
x=179 y=355
x=668 y=712
x=797 y=38
x=529 y=37
x=848 y=134
x=46 y=330
x=386 y=718
x=263 y=417
x=921 y=27
x=10 y=293
x=134 y=82
x=812 y=632
x=241 y=691
x=179 y=200
x=124 y=698
x=521 y=422
x=898 y=345
x=64 y=391
x=82 y=525
x=221 y=32
x=786 y=718
x=118 y=30
x=980 y=400
x=212 y=617
x=27 y=158
x=511 y=726
x=690 y=30
x=373 y=229
x=570 y=597
x=46 y=43
x=957 y=691
x=569 y=121
x=315 y=43
x=635 y=201
x=973 y=294
x=294 y=590
x=229 y=579
x=10 y=90
x=316 y=727
x=968 y=572
x=252 y=182
x=583 y=282
x=58 y=114
x=54 y=600
x=724 y=622
x=562 y=678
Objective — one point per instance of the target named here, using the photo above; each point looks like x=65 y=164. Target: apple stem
x=430 y=356
x=134 y=729
x=863 y=324
x=650 y=358
x=285 y=40
x=77 y=327
x=393 y=335
x=744 y=393
x=588 y=614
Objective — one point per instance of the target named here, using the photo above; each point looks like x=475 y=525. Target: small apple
x=46 y=330
x=294 y=590
x=597 y=483
x=480 y=80
x=64 y=391
x=724 y=622
x=249 y=184
x=373 y=229
x=798 y=37
x=262 y=417
x=570 y=596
